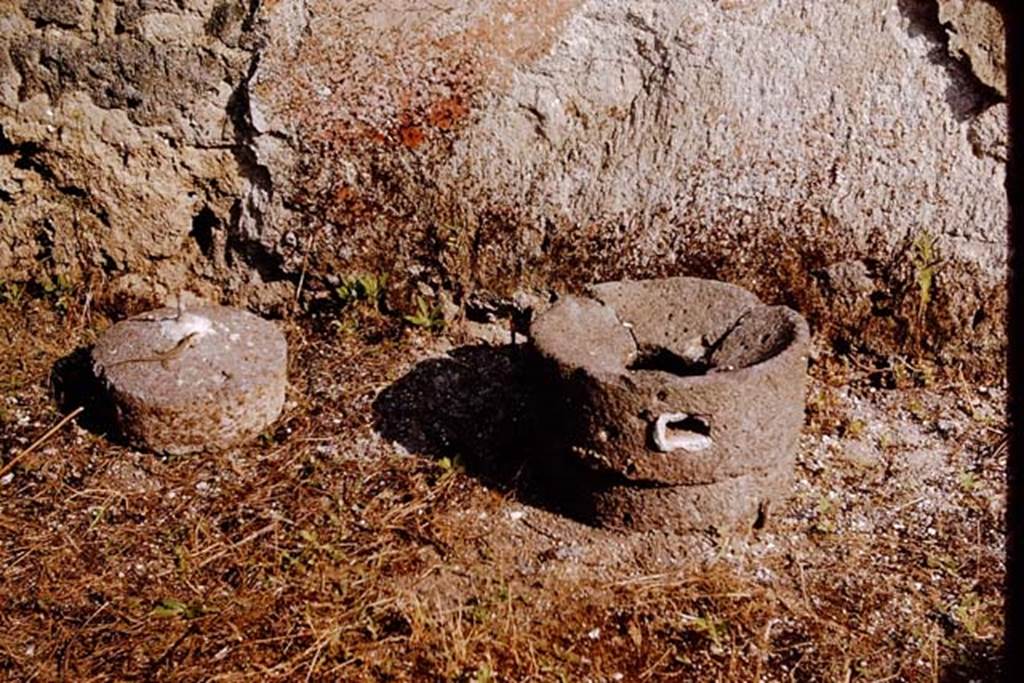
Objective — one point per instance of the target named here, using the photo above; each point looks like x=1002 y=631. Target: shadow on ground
x=75 y=385
x=980 y=660
x=481 y=407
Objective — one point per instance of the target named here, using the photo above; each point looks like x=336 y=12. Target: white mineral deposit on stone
x=189 y=323
x=667 y=439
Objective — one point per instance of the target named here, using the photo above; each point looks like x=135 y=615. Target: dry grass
x=324 y=551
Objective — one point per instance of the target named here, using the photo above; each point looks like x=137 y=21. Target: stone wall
x=844 y=157
x=120 y=155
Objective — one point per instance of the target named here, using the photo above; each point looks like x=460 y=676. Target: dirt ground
x=390 y=527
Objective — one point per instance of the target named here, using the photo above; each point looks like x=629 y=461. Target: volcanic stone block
x=668 y=386
x=721 y=505
x=199 y=380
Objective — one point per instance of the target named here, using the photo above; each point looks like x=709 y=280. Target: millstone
x=682 y=399
x=198 y=380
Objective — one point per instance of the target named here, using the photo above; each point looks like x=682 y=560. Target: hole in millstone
x=666 y=360
x=680 y=431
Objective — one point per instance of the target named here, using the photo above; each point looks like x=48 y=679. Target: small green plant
x=484 y=674
x=478 y=611
x=824 y=523
x=900 y=376
x=314 y=549
x=181 y=562
x=426 y=316
x=886 y=441
x=365 y=287
x=450 y=465
x=917 y=409
x=972 y=613
x=906 y=374
x=344 y=326
x=943 y=562
x=170 y=608
x=926 y=373
x=968 y=481
x=11 y=293
x=713 y=628
x=853 y=429
x=925 y=258
x=58 y=290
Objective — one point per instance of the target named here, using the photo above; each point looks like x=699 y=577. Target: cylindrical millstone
x=664 y=386
x=724 y=504
x=198 y=380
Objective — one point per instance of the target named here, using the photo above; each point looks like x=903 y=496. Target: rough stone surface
x=679 y=397
x=672 y=313
x=745 y=383
x=578 y=141
x=119 y=145
x=977 y=31
x=743 y=501
x=208 y=380
x=988 y=133
x=489 y=145
x=850 y=280
x=612 y=113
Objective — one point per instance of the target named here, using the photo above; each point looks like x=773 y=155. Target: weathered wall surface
x=977 y=33
x=502 y=143
x=119 y=144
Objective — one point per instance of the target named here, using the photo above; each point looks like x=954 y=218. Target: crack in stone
x=628 y=326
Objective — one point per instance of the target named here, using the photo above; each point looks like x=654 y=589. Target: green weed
x=452 y=465
x=886 y=441
x=365 y=287
x=484 y=674
x=853 y=429
x=825 y=509
x=11 y=293
x=968 y=481
x=918 y=410
x=971 y=613
x=170 y=608
x=925 y=258
x=713 y=628
x=426 y=316
x=943 y=562
x=58 y=290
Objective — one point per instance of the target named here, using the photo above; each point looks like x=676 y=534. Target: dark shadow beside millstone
x=74 y=385
x=483 y=409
